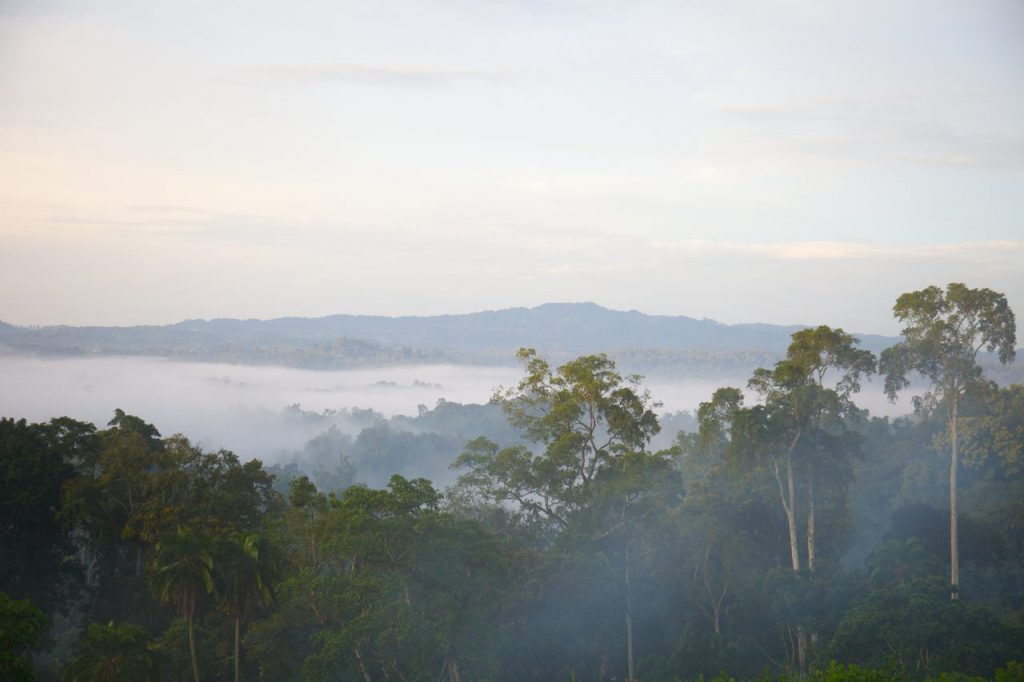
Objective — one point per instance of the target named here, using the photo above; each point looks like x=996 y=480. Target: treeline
x=362 y=446
x=793 y=536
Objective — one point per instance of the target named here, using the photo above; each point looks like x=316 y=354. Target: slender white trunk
x=362 y=668
x=810 y=520
x=954 y=562
x=794 y=548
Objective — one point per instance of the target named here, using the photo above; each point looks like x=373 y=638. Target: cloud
x=368 y=74
x=899 y=127
x=838 y=250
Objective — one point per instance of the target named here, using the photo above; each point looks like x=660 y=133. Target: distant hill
x=653 y=344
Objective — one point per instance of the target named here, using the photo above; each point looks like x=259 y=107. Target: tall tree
x=182 y=572
x=816 y=409
x=245 y=574
x=799 y=429
x=801 y=421
x=943 y=333
x=594 y=425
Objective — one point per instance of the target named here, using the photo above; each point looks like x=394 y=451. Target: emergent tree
x=943 y=333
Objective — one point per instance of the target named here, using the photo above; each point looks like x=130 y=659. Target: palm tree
x=182 y=572
x=245 y=572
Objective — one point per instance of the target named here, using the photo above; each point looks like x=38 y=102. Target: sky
x=784 y=161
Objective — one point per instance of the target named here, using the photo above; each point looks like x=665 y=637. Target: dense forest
x=778 y=533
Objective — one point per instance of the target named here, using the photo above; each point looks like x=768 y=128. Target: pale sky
x=785 y=161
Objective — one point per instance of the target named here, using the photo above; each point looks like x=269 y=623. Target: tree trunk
x=192 y=649
x=954 y=559
x=238 y=660
x=801 y=650
x=788 y=497
x=362 y=668
x=810 y=520
x=453 y=668
x=794 y=548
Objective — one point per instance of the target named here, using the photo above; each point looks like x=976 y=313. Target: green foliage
x=992 y=435
x=21 y=629
x=944 y=331
x=916 y=625
x=35 y=463
x=113 y=652
x=583 y=413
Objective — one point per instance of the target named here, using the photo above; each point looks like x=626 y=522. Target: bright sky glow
x=782 y=161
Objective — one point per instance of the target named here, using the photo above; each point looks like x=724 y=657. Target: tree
x=584 y=414
x=802 y=427
x=943 y=333
x=245 y=572
x=802 y=422
x=34 y=546
x=809 y=409
x=630 y=496
x=182 y=572
x=912 y=624
x=21 y=627
x=593 y=477
x=410 y=589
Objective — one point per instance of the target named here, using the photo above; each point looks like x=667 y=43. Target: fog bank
x=241 y=407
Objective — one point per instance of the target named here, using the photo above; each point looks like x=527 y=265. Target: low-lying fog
x=242 y=408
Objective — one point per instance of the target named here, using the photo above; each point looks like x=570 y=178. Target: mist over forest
x=481 y=504
x=273 y=413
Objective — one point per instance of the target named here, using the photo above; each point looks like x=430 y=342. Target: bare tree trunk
x=362 y=668
x=238 y=660
x=801 y=649
x=715 y=602
x=810 y=519
x=954 y=559
x=788 y=498
x=787 y=507
x=192 y=649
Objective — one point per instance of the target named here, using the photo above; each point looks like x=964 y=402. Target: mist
x=243 y=408
x=236 y=407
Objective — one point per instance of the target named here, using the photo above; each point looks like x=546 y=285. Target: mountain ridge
x=559 y=326
x=652 y=345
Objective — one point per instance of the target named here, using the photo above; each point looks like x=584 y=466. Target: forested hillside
x=679 y=344
x=786 y=536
